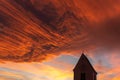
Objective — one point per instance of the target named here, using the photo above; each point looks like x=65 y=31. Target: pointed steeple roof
x=84 y=58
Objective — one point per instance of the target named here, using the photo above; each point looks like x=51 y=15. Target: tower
x=84 y=70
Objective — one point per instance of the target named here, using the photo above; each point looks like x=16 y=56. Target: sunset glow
x=43 y=39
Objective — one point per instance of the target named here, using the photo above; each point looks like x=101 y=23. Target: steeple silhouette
x=84 y=70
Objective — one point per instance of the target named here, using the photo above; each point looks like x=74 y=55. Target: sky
x=43 y=39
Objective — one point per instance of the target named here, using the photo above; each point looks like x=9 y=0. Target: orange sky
x=59 y=68
x=36 y=35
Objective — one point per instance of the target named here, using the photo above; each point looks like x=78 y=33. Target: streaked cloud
x=32 y=30
x=32 y=71
x=54 y=33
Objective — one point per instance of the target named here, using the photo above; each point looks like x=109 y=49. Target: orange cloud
x=32 y=33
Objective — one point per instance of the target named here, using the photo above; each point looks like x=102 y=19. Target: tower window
x=82 y=76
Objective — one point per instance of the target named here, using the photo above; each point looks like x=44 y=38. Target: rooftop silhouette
x=84 y=70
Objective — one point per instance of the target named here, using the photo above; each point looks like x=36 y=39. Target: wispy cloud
x=36 y=31
x=32 y=71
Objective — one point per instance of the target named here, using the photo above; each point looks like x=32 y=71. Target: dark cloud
x=107 y=33
x=31 y=30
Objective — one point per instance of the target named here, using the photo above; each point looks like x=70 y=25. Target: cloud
x=32 y=31
x=32 y=71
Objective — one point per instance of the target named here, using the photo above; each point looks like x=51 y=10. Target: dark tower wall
x=84 y=70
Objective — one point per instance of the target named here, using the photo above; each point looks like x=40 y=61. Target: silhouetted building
x=84 y=70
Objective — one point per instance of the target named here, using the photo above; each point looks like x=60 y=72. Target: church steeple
x=84 y=70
